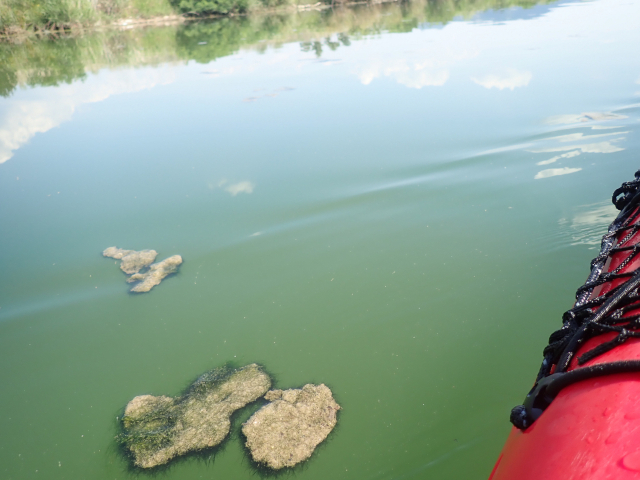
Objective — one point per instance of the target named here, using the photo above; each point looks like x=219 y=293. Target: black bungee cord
x=617 y=310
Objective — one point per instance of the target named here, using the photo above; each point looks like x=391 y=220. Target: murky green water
x=396 y=201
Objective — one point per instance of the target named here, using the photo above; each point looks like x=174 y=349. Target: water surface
x=396 y=201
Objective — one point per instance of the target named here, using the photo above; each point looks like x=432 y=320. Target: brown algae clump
x=286 y=431
x=132 y=261
x=158 y=429
x=155 y=274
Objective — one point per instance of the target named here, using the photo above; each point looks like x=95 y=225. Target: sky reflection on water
x=500 y=55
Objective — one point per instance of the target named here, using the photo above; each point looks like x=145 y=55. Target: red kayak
x=581 y=419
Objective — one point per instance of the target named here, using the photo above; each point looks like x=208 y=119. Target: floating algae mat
x=286 y=431
x=133 y=261
x=157 y=429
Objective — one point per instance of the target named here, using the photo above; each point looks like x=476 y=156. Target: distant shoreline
x=16 y=33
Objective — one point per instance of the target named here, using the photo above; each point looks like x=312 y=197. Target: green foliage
x=223 y=7
x=46 y=13
x=200 y=7
x=277 y=3
x=149 y=8
x=55 y=14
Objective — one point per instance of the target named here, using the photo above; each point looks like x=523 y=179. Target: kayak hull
x=590 y=431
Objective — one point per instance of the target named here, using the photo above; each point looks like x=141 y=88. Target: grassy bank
x=56 y=17
x=19 y=16
x=52 y=15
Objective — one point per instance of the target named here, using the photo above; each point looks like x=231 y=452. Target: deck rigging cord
x=617 y=310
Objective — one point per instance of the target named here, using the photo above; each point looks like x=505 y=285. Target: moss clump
x=158 y=429
x=132 y=261
x=286 y=431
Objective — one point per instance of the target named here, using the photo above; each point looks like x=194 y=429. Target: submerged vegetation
x=71 y=55
x=158 y=429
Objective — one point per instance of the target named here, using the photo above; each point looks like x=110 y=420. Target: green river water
x=398 y=201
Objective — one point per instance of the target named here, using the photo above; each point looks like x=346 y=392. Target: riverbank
x=19 y=19
x=22 y=19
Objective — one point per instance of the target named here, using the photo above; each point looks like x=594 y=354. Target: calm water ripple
x=396 y=200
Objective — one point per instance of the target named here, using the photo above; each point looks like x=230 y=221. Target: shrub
x=200 y=7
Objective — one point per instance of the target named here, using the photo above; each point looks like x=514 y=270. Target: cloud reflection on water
x=583 y=117
x=428 y=66
x=608 y=146
x=412 y=74
x=574 y=137
x=554 y=172
x=234 y=189
x=574 y=153
x=589 y=223
x=511 y=80
x=600 y=147
x=240 y=187
x=41 y=110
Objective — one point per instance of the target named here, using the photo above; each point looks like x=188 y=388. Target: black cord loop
x=590 y=317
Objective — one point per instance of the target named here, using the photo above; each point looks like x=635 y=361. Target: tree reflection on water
x=48 y=61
